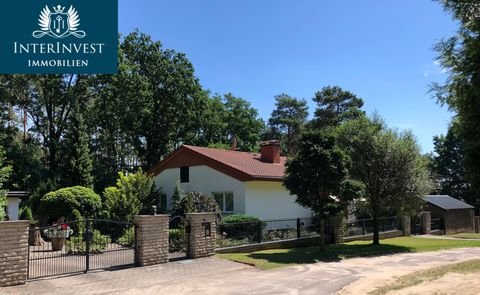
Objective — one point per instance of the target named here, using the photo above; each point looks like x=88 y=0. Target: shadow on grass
x=331 y=253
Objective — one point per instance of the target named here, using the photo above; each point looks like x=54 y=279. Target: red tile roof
x=241 y=165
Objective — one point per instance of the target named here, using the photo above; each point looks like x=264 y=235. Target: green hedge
x=240 y=227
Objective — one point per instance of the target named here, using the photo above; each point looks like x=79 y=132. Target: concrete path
x=217 y=276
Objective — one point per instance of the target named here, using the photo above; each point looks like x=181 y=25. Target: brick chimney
x=270 y=151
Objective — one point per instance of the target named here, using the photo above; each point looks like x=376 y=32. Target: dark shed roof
x=446 y=202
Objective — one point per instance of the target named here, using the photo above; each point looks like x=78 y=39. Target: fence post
x=363 y=227
x=259 y=231
x=299 y=234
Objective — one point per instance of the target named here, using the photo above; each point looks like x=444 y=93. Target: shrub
x=70 y=203
x=133 y=194
x=176 y=239
x=239 y=226
x=76 y=244
x=128 y=238
x=196 y=202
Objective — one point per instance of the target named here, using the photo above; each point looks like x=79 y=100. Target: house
x=13 y=204
x=241 y=182
x=457 y=216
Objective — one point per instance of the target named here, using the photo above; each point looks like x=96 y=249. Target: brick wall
x=201 y=243
x=152 y=239
x=13 y=252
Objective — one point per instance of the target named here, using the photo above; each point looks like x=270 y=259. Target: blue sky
x=380 y=50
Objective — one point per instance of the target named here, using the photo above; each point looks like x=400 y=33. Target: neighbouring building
x=457 y=216
x=241 y=182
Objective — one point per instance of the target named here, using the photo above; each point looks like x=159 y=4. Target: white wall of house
x=13 y=204
x=203 y=179
x=270 y=200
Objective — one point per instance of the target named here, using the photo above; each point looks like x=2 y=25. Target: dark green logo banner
x=59 y=37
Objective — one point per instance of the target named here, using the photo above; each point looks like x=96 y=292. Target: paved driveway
x=217 y=276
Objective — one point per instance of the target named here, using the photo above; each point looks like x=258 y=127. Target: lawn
x=429 y=275
x=269 y=259
x=466 y=236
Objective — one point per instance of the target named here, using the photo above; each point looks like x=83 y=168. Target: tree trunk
x=376 y=236
x=322 y=233
x=35 y=239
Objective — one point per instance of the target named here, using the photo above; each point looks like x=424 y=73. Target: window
x=163 y=203
x=184 y=174
x=225 y=201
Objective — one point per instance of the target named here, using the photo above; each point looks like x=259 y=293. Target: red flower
x=64 y=226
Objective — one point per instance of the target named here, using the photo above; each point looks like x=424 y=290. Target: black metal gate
x=416 y=225
x=177 y=238
x=80 y=246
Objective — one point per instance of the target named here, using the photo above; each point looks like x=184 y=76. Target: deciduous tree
x=390 y=166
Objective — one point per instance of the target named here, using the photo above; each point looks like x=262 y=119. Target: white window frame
x=224 y=195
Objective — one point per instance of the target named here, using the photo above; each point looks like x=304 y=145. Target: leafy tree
x=70 y=203
x=195 y=202
x=134 y=193
x=287 y=120
x=77 y=158
x=242 y=122
x=448 y=166
x=164 y=98
x=460 y=57
x=389 y=165
x=317 y=175
x=48 y=101
x=335 y=106
x=5 y=171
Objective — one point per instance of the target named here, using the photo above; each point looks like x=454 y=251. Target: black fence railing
x=244 y=233
x=436 y=224
x=364 y=227
x=80 y=246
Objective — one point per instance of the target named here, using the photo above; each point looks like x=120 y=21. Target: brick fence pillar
x=202 y=234
x=13 y=252
x=152 y=239
x=336 y=227
x=406 y=225
x=426 y=223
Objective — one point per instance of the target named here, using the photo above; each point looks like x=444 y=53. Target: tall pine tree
x=77 y=157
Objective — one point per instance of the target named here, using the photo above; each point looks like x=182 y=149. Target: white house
x=241 y=182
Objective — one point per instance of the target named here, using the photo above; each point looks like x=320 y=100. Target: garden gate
x=416 y=225
x=80 y=246
x=177 y=238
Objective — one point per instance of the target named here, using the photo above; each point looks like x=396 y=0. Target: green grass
x=427 y=275
x=269 y=259
x=466 y=236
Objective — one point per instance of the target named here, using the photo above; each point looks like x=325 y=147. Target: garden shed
x=457 y=216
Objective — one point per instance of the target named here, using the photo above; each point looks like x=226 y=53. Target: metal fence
x=80 y=246
x=364 y=227
x=244 y=233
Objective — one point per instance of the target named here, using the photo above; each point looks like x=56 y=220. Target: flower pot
x=57 y=244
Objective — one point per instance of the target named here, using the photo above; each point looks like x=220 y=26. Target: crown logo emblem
x=59 y=24
x=59 y=9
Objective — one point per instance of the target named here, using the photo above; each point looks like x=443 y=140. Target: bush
x=128 y=237
x=133 y=194
x=176 y=239
x=239 y=226
x=70 y=203
x=196 y=202
x=76 y=244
